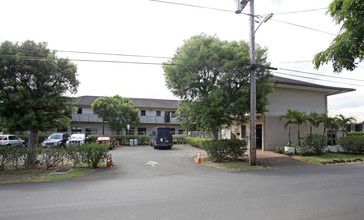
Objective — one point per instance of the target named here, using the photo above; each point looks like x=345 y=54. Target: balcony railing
x=144 y=119
x=86 y=118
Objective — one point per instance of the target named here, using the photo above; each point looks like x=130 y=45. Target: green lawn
x=328 y=157
x=233 y=165
x=40 y=175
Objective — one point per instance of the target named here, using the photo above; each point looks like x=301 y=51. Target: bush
x=41 y=138
x=196 y=142
x=353 y=144
x=225 y=150
x=94 y=153
x=179 y=139
x=312 y=143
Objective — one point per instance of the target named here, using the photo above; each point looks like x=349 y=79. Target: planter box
x=333 y=148
x=342 y=149
x=290 y=149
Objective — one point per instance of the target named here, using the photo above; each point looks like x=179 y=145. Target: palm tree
x=290 y=117
x=300 y=118
x=344 y=122
x=314 y=119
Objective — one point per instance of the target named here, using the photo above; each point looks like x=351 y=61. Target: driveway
x=144 y=161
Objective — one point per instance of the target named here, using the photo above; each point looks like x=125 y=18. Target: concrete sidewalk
x=276 y=160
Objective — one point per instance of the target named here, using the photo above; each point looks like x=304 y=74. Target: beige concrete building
x=288 y=94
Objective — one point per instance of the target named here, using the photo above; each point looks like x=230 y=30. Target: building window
x=173 y=114
x=131 y=131
x=142 y=131
x=142 y=112
x=158 y=113
x=173 y=130
x=79 y=111
x=181 y=131
x=89 y=131
x=76 y=129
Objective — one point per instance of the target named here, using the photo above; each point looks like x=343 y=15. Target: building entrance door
x=259 y=136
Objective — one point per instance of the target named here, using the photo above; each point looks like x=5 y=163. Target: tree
x=348 y=47
x=300 y=118
x=212 y=78
x=314 y=119
x=117 y=111
x=33 y=87
x=344 y=122
x=293 y=117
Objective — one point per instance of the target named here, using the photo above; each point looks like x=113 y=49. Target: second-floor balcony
x=144 y=119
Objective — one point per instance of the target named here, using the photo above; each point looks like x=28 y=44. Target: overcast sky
x=157 y=29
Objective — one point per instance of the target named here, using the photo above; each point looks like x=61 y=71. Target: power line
x=305 y=77
x=301 y=26
x=295 y=12
x=316 y=74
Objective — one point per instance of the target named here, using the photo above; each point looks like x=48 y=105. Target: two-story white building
x=152 y=114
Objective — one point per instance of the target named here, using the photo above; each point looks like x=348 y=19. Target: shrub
x=196 y=142
x=93 y=153
x=353 y=143
x=179 y=139
x=74 y=154
x=51 y=156
x=312 y=143
x=222 y=150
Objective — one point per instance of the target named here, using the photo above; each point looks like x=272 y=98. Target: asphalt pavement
x=167 y=184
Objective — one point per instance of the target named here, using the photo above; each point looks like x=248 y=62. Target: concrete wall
x=307 y=101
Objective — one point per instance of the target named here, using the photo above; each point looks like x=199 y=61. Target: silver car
x=11 y=140
x=76 y=139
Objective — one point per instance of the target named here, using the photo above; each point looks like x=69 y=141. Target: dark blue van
x=161 y=137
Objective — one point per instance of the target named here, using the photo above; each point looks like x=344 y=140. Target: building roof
x=87 y=101
x=296 y=84
x=280 y=82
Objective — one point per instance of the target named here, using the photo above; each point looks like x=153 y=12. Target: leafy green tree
x=33 y=88
x=212 y=78
x=300 y=118
x=117 y=111
x=344 y=122
x=348 y=47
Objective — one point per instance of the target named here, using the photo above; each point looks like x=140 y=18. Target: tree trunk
x=33 y=138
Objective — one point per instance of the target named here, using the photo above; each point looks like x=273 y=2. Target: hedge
x=220 y=150
x=353 y=144
x=92 y=154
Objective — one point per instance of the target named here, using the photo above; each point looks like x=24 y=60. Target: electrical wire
x=301 y=26
x=295 y=12
x=305 y=77
x=316 y=74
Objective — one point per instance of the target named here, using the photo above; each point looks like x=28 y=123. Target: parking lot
x=144 y=161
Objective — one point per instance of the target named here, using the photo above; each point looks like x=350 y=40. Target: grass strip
x=40 y=176
x=231 y=165
x=328 y=157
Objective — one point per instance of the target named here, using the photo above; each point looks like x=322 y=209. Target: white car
x=76 y=139
x=11 y=140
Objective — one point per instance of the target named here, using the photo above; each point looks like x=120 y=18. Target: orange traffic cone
x=198 y=158
x=111 y=164
x=108 y=162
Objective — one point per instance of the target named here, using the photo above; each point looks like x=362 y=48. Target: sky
x=142 y=32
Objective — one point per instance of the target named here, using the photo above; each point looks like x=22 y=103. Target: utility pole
x=252 y=141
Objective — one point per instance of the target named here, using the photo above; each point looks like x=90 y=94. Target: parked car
x=11 y=140
x=161 y=137
x=55 y=140
x=106 y=139
x=77 y=139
